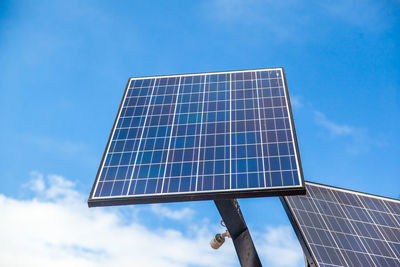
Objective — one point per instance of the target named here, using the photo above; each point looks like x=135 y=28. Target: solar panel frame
x=310 y=254
x=200 y=195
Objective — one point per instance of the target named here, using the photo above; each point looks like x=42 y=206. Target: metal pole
x=236 y=225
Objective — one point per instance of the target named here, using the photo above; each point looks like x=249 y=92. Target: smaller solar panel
x=340 y=227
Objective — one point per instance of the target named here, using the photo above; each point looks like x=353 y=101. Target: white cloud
x=163 y=211
x=279 y=247
x=56 y=228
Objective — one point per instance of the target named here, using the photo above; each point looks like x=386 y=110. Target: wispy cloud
x=354 y=139
x=163 y=211
x=358 y=140
x=266 y=14
x=295 y=20
x=369 y=14
x=58 y=148
x=36 y=183
x=296 y=101
x=67 y=147
x=55 y=228
x=333 y=128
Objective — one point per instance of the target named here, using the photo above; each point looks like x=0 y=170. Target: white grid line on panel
x=203 y=73
x=146 y=140
x=355 y=192
x=204 y=191
x=347 y=233
x=353 y=206
x=201 y=129
x=326 y=230
x=304 y=234
x=372 y=218
x=111 y=138
x=286 y=94
x=345 y=249
x=152 y=151
x=182 y=161
x=231 y=130
x=172 y=130
x=327 y=227
x=350 y=221
x=212 y=100
x=392 y=214
x=261 y=130
x=141 y=118
x=256 y=143
x=280 y=165
x=141 y=138
x=282 y=129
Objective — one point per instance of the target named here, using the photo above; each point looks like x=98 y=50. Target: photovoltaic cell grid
x=339 y=227
x=189 y=135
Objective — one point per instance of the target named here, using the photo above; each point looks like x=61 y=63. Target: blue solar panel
x=201 y=136
x=339 y=227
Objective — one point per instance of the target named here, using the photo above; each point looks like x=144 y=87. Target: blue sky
x=64 y=66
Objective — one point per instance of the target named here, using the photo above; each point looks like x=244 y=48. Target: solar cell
x=201 y=136
x=339 y=227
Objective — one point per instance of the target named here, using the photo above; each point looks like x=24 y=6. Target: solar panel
x=339 y=227
x=201 y=136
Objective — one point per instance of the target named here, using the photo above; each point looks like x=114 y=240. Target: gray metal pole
x=236 y=225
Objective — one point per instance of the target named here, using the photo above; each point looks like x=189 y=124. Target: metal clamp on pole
x=238 y=231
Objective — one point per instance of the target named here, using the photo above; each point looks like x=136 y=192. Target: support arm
x=236 y=225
